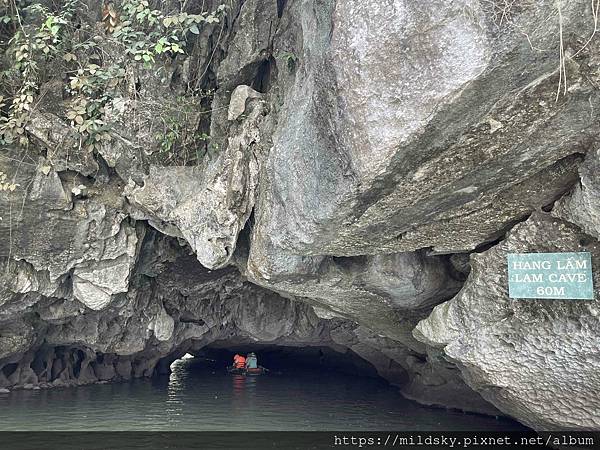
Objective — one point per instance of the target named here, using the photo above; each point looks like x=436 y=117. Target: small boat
x=257 y=371
x=249 y=372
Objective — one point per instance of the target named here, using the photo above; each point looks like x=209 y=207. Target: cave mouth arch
x=284 y=358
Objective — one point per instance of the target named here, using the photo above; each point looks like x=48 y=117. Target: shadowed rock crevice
x=264 y=75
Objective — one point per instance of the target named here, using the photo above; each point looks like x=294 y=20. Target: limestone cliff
x=305 y=172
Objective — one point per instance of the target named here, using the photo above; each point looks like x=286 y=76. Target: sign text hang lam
x=550 y=275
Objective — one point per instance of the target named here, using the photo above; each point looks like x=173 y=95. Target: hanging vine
x=58 y=38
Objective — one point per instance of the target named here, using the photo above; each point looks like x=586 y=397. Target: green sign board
x=550 y=275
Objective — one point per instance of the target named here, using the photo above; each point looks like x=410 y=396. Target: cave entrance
x=279 y=359
x=312 y=387
x=287 y=359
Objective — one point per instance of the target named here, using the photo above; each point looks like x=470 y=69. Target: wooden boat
x=258 y=371
x=249 y=372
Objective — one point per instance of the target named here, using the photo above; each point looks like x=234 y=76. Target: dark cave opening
x=280 y=7
x=288 y=359
x=266 y=72
x=9 y=369
x=78 y=357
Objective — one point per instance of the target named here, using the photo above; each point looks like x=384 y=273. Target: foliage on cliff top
x=44 y=41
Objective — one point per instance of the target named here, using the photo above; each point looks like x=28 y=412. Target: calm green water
x=194 y=398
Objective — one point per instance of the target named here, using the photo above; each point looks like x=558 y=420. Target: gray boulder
x=438 y=127
x=207 y=208
x=387 y=293
x=535 y=360
x=582 y=206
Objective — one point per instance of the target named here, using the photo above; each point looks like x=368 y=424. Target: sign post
x=565 y=276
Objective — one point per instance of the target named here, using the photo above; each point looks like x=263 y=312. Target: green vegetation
x=42 y=44
x=28 y=48
x=175 y=132
x=291 y=60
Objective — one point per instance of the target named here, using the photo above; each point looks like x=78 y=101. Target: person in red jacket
x=239 y=362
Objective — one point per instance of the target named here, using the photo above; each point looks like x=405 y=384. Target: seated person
x=239 y=362
x=251 y=361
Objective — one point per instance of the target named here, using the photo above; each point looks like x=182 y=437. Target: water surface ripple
x=198 y=398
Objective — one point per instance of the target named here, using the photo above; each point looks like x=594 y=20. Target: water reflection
x=198 y=397
x=239 y=384
x=174 y=402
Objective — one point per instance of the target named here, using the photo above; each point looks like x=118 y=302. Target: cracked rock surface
x=534 y=359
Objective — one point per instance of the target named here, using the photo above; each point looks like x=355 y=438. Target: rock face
x=403 y=156
x=424 y=148
x=185 y=308
x=209 y=213
x=319 y=173
x=386 y=292
x=534 y=359
x=52 y=235
x=582 y=206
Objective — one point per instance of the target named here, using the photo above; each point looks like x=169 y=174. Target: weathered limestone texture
x=582 y=206
x=317 y=173
x=533 y=359
x=435 y=126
